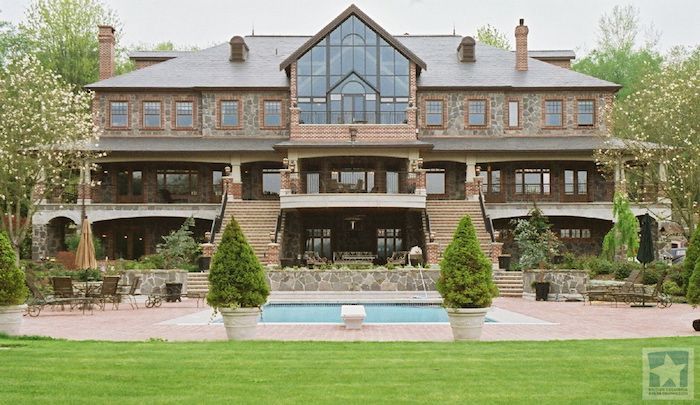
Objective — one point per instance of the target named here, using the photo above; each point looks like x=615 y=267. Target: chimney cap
x=238 y=40
x=467 y=41
x=106 y=27
x=522 y=21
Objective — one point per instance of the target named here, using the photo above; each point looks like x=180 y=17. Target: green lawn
x=592 y=371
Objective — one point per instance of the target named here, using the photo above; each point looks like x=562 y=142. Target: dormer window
x=353 y=76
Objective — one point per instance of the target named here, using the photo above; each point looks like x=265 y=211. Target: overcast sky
x=554 y=24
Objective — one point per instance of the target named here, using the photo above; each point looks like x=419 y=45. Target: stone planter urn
x=466 y=323
x=11 y=319
x=240 y=323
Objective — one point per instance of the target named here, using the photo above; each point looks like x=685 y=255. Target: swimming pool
x=376 y=313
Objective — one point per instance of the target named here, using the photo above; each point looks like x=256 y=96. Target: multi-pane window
x=491 y=182
x=388 y=242
x=435 y=181
x=513 y=114
x=319 y=241
x=272 y=113
x=575 y=233
x=177 y=182
x=119 y=114
x=532 y=181
x=129 y=185
x=433 y=112
x=271 y=181
x=151 y=114
x=217 y=184
x=553 y=113
x=353 y=76
x=229 y=113
x=585 y=113
x=476 y=112
x=184 y=114
x=575 y=182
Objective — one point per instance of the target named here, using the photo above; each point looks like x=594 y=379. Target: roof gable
x=350 y=11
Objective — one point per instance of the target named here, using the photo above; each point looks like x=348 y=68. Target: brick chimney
x=105 y=38
x=466 y=50
x=521 y=46
x=239 y=49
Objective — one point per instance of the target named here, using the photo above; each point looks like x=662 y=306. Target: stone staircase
x=197 y=283
x=256 y=218
x=444 y=216
x=509 y=283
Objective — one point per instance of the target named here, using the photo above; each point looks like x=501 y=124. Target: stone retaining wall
x=564 y=285
x=352 y=280
x=153 y=281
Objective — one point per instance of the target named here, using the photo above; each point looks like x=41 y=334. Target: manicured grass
x=591 y=371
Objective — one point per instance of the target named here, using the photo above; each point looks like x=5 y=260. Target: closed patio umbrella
x=645 y=254
x=85 y=255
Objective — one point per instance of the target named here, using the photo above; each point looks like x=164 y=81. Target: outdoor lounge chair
x=131 y=294
x=37 y=301
x=640 y=295
x=614 y=293
x=108 y=292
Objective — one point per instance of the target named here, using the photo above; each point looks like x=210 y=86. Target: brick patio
x=568 y=321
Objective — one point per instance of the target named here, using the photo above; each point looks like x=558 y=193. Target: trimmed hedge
x=465 y=272
x=236 y=277
x=13 y=290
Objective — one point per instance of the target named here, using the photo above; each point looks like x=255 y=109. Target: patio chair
x=615 y=293
x=642 y=295
x=313 y=258
x=131 y=294
x=399 y=257
x=37 y=301
x=108 y=292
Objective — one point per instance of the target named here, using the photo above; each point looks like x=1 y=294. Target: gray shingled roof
x=134 y=144
x=156 y=54
x=552 y=54
x=211 y=68
x=564 y=143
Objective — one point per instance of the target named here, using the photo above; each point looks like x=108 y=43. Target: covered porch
x=347 y=235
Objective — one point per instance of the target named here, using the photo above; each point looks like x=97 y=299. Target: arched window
x=352 y=76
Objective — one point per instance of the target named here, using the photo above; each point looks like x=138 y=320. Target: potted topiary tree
x=465 y=282
x=13 y=290
x=237 y=286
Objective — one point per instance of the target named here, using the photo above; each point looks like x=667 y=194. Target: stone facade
x=352 y=280
x=153 y=281
x=564 y=285
x=531 y=113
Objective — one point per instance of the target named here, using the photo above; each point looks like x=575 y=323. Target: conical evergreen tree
x=236 y=278
x=692 y=256
x=465 y=272
x=13 y=290
x=693 y=295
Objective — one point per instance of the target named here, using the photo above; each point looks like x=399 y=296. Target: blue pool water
x=376 y=313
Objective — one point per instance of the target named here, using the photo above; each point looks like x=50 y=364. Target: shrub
x=236 y=277
x=623 y=239
x=13 y=290
x=693 y=295
x=691 y=258
x=465 y=272
x=623 y=269
x=179 y=248
x=537 y=244
x=671 y=288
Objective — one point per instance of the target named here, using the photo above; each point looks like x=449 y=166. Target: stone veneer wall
x=153 y=281
x=564 y=285
x=352 y=280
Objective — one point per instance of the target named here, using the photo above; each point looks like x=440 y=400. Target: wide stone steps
x=197 y=283
x=444 y=216
x=257 y=219
x=509 y=283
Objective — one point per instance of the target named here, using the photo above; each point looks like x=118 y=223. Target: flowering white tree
x=665 y=111
x=45 y=133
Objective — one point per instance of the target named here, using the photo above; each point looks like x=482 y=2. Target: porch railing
x=362 y=117
x=347 y=181
x=109 y=194
x=547 y=192
x=219 y=219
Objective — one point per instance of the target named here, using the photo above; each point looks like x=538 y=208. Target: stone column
x=40 y=247
x=471 y=182
x=496 y=251
x=208 y=248
x=272 y=255
x=232 y=183
x=285 y=182
x=432 y=251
